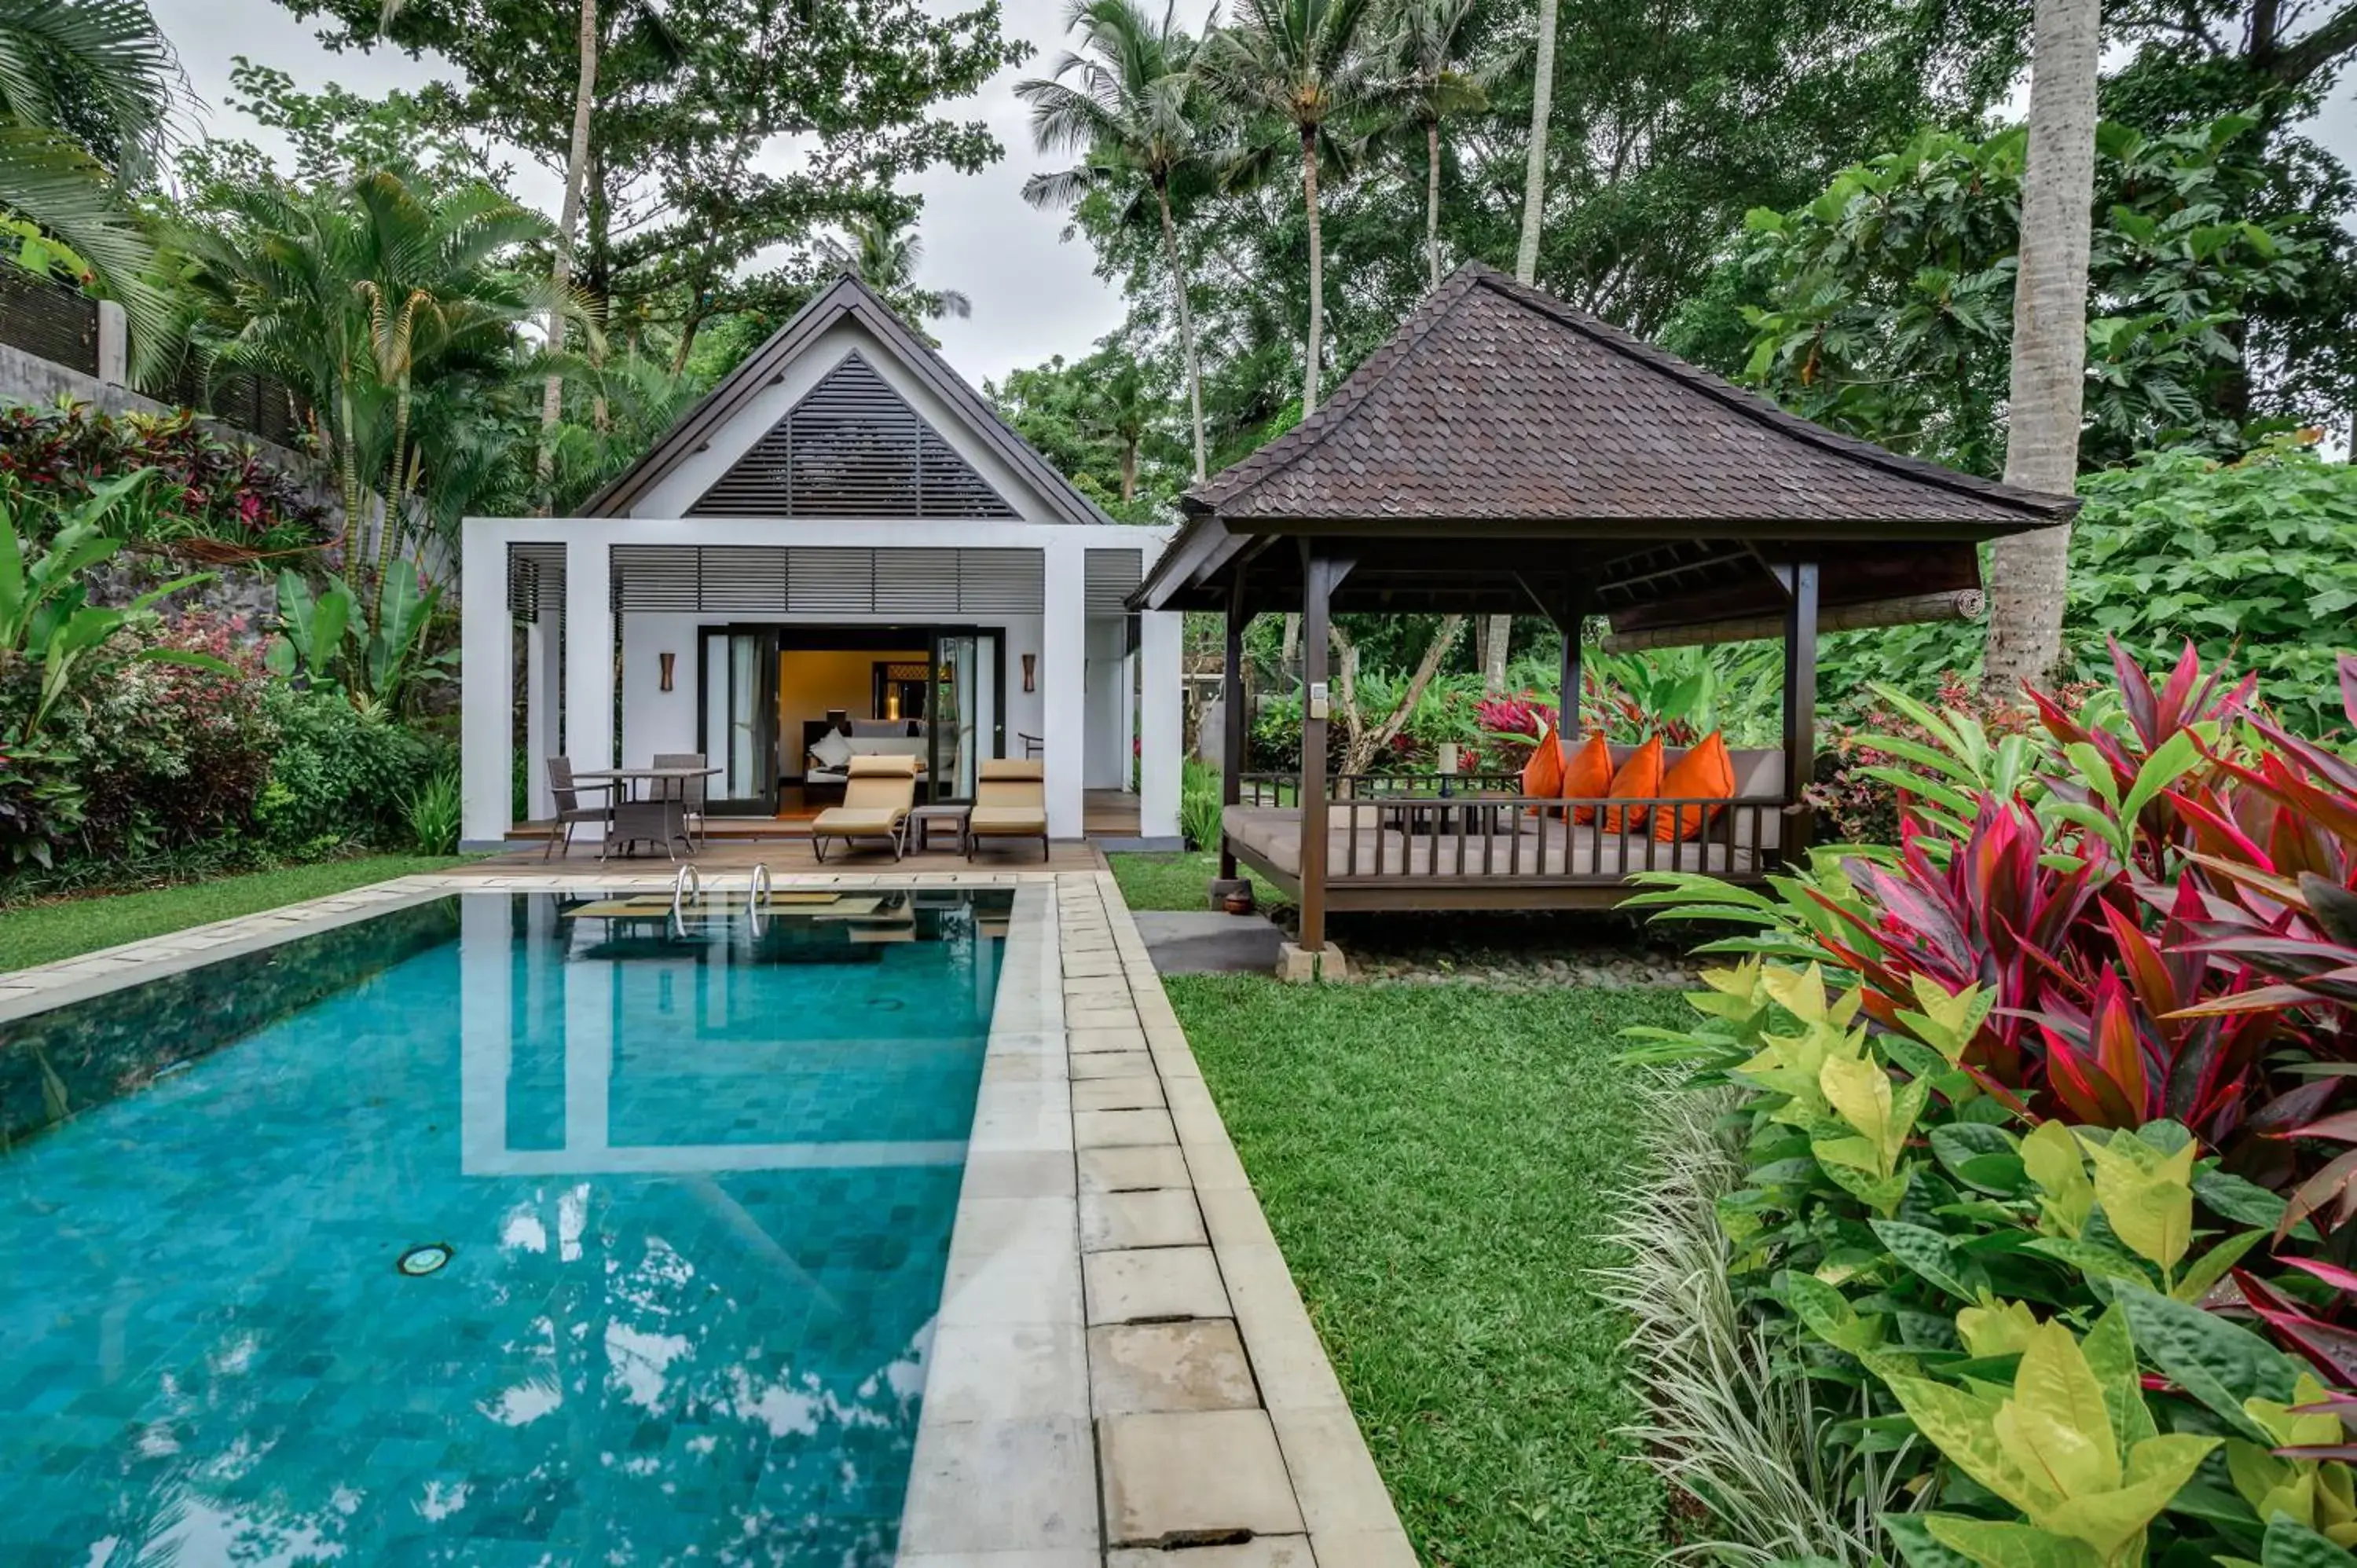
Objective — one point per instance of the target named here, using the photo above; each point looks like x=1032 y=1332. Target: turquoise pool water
x=695 y=1195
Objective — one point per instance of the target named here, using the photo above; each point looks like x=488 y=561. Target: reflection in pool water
x=697 y=1194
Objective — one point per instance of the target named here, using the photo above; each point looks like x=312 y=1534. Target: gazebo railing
x=1378 y=831
x=1285 y=789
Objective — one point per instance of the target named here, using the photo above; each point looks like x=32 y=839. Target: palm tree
x=1306 y=63
x=2029 y=576
x=1526 y=254
x=360 y=297
x=87 y=92
x=884 y=254
x=1124 y=408
x=1432 y=81
x=1127 y=112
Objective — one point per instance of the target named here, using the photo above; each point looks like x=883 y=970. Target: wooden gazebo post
x=1800 y=703
x=1322 y=573
x=1568 y=611
x=1233 y=731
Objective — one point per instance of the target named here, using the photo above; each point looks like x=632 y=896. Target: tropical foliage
x=210 y=496
x=2255 y=561
x=1888 y=299
x=88 y=90
x=128 y=739
x=2037 y=1111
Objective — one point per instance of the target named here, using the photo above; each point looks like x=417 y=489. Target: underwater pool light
x=419 y=1262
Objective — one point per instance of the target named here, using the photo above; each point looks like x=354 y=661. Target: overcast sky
x=1033 y=294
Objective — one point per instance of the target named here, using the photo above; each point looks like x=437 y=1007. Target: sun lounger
x=878 y=795
x=1010 y=801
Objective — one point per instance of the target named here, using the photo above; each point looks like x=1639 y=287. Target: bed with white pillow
x=828 y=763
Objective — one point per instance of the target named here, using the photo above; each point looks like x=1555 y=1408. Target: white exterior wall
x=1074 y=731
x=1107 y=763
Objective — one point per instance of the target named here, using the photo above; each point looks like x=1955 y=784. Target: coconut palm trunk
x=1432 y=198
x=1526 y=255
x=577 y=164
x=1316 y=270
x=1186 y=322
x=2029 y=574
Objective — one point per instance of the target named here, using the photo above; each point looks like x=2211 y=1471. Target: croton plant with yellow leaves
x=2047 y=1123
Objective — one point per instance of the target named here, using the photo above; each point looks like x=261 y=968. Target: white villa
x=841 y=549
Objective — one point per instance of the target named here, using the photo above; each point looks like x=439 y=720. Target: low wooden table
x=660 y=817
x=921 y=820
x=1442 y=815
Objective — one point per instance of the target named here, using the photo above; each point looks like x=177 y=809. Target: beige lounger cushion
x=846 y=820
x=879 y=796
x=1010 y=800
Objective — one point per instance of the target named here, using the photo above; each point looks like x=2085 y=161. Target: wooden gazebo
x=1506 y=453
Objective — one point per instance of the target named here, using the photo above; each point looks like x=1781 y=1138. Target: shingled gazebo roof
x=1498 y=417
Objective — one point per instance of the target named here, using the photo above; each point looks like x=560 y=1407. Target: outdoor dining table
x=657 y=817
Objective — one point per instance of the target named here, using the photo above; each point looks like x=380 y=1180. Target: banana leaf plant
x=45 y=611
x=323 y=641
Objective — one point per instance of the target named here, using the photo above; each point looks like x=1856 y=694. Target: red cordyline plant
x=2087 y=889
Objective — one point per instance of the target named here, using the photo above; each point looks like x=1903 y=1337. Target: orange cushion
x=1640 y=778
x=1543 y=774
x=1587 y=776
x=1703 y=774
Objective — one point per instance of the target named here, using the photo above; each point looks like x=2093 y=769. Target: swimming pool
x=501 y=1228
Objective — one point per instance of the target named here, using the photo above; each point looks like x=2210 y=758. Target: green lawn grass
x=1176 y=880
x=1436 y=1161
x=45 y=932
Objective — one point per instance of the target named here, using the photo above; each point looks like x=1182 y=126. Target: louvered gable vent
x=852 y=448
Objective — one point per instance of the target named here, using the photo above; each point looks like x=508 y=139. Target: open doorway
x=786 y=708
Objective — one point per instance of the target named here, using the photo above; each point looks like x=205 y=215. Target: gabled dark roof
x=845 y=297
x=1495 y=401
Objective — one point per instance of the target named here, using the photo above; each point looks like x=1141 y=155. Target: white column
x=486 y=967
x=1063 y=679
x=541 y=701
x=1160 y=724
x=113 y=344
x=1129 y=717
x=588 y=655
x=487 y=691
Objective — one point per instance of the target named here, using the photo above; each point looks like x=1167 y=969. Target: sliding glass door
x=966 y=725
x=740 y=718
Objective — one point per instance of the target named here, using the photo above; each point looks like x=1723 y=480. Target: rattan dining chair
x=692 y=792
x=569 y=809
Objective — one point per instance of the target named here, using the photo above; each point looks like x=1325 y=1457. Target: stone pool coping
x=1122 y=1373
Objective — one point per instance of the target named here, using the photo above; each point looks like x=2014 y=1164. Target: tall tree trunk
x=1128 y=470
x=1527 y=256
x=1362 y=744
x=2029 y=573
x=576 y=166
x=1186 y=321
x=1316 y=270
x=1432 y=197
x=1493 y=655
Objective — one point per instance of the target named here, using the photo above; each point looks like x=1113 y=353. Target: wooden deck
x=1495 y=851
x=783 y=844
x=738 y=854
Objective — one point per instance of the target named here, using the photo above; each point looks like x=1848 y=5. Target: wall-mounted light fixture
x=1030 y=667
x=669 y=661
